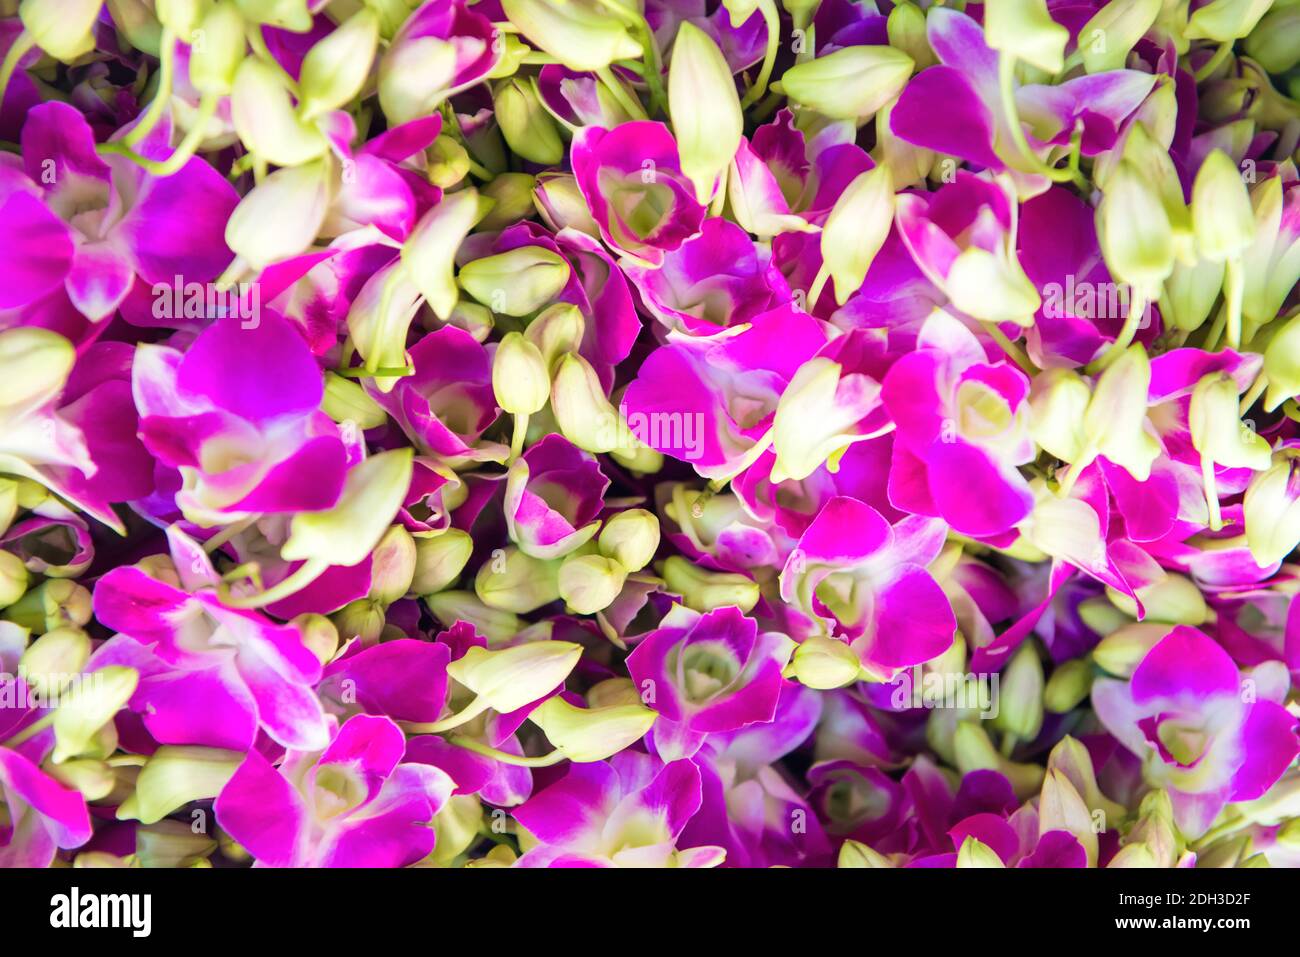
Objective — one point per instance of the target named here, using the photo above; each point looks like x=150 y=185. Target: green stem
x=23 y=43
x=1013 y=351
x=1211 y=493
x=1234 y=290
x=520 y=433
x=818 y=286
x=1137 y=305
x=630 y=105
x=184 y=151
x=1214 y=62
x=167 y=69
x=505 y=757
x=1007 y=86
x=229 y=532
x=773 y=21
x=1254 y=392
x=464 y=716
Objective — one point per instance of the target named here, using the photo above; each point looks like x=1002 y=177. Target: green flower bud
x=51 y=604
x=824 y=663
x=514 y=581
x=448 y=162
x=80 y=716
x=335 y=68
x=472 y=318
x=348 y=532
x=346 y=401
x=631 y=538
x=430 y=251
x=1282 y=364
x=266 y=120
x=516 y=282
x=857 y=227
x=519 y=377
x=1106 y=39
x=1225 y=20
x=582 y=411
x=528 y=129
x=1058 y=399
x=1173 y=600
x=1062 y=808
x=172 y=844
x=13 y=579
x=494 y=624
x=1115 y=421
x=62 y=28
x=1133 y=226
x=1020 y=699
x=54 y=660
x=1025 y=30
x=704 y=590
x=560 y=203
x=1222 y=217
x=857 y=854
x=319 y=634
x=850 y=84
x=363 y=619
x=973 y=751
x=1190 y=294
x=1273 y=43
x=174 y=776
x=906 y=28
x=456 y=827
x=215 y=61
x=1272 y=511
x=1120 y=652
x=992 y=287
x=557 y=330
x=581 y=34
x=590 y=583
x=392 y=565
x=34 y=365
x=281 y=216
x=1068 y=686
x=705 y=108
x=1217 y=430
x=440 y=560
x=613 y=691
x=512 y=194
x=94 y=779
x=509 y=678
x=591 y=734
x=974 y=853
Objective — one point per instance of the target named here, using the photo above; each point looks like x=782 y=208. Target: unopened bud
x=51 y=604
x=823 y=663
x=363 y=619
x=514 y=581
x=528 y=129
x=440 y=560
x=53 y=660
x=494 y=624
x=518 y=281
x=1173 y=600
x=13 y=579
x=1222 y=216
x=1025 y=30
x=590 y=583
x=520 y=380
x=591 y=734
x=1020 y=699
x=509 y=678
x=174 y=776
x=851 y=83
x=631 y=538
x=1120 y=652
x=704 y=591
x=1068 y=686
x=512 y=197
x=392 y=566
x=319 y=634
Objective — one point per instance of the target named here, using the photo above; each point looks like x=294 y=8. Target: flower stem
x=184 y=151
x=1137 y=305
x=505 y=757
x=773 y=21
x=1013 y=351
x=162 y=95
x=631 y=106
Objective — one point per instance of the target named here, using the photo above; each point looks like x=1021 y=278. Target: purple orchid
x=352 y=804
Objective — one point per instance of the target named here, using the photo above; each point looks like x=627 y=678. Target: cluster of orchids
x=649 y=433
